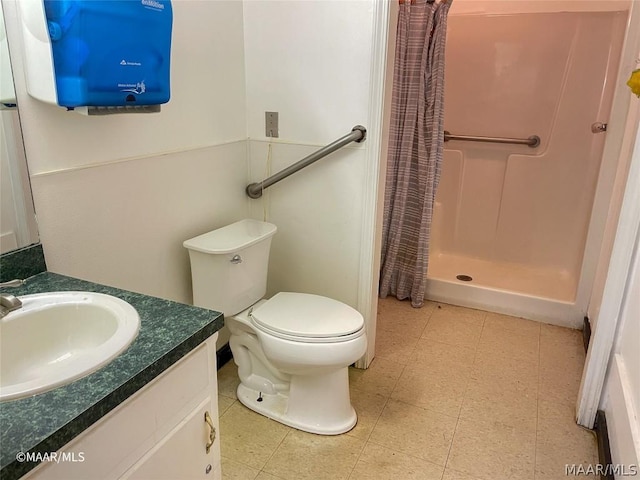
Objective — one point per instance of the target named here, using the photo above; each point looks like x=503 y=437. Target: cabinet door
x=182 y=454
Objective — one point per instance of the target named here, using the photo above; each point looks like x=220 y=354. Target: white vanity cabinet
x=166 y=431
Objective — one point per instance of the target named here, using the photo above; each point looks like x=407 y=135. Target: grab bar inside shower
x=533 y=141
x=358 y=134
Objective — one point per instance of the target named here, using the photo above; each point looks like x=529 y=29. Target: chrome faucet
x=8 y=303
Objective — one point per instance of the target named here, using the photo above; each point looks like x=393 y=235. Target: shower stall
x=511 y=220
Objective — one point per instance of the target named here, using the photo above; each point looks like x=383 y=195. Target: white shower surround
x=516 y=219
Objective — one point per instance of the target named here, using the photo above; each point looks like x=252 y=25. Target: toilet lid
x=308 y=316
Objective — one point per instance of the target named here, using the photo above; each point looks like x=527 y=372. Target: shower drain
x=464 y=278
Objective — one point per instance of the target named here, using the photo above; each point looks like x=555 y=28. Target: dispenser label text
x=152 y=4
x=137 y=88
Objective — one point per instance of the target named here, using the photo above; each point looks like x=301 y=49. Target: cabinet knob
x=212 y=431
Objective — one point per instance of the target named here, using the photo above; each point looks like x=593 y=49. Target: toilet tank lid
x=307 y=315
x=232 y=238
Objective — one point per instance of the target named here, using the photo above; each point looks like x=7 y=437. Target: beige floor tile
x=500 y=341
x=434 y=354
x=395 y=345
x=554 y=358
x=558 y=387
x=379 y=463
x=248 y=437
x=557 y=419
x=506 y=371
x=439 y=390
x=414 y=431
x=560 y=441
x=561 y=362
x=512 y=382
x=396 y=315
x=267 y=476
x=496 y=401
x=450 y=474
x=450 y=327
x=461 y=313
x=553 y=459
x=224 y=403
x=560 y=335
x=228 y=380
x=368 y=406
x=304 y=456
x=517 y=325
x=491 y=451
x=436 y=378
x=561 y=344
x=560 y=376
x=381 y=377
x=237 y=471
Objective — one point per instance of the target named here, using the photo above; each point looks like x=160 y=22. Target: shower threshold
x=542 y=282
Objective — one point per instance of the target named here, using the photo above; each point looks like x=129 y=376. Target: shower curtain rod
x=533 y=141
x=358 y=134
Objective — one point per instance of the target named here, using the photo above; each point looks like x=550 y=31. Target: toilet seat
x=304 y=317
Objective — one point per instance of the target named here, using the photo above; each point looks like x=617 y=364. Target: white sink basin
x=58 y=337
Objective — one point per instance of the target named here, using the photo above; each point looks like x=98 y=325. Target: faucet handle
x=10 y=302
x=13 y=283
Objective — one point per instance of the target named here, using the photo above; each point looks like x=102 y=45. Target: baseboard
x=604 y=448
x=554 y=312
x=223 y=355
x=586 y=333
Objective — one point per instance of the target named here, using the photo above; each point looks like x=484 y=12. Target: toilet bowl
x=292 y=350
x=308 y=341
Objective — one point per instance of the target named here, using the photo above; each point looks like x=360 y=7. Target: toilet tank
x=229 y=265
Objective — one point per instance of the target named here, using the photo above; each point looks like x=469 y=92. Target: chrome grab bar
x=533 y=141
x=358 y=134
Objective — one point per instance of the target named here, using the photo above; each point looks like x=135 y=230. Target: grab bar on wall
x=358 y=134
x=533 y=141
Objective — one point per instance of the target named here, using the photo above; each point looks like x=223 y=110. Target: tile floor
x=453 y=394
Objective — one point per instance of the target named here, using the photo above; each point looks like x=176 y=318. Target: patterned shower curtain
x=415 y=148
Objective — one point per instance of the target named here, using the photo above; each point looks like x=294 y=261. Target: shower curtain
x=416 y=138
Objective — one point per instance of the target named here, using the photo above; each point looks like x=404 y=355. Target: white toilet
x=293 y=350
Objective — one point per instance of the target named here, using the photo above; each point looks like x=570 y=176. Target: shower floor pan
x=541 y=294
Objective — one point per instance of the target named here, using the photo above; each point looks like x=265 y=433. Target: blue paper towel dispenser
x=106 y=53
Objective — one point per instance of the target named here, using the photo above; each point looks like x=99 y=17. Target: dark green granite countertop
x=45 y=422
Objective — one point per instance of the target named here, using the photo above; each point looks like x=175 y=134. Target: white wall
x=621 y=394
x=319 y=217
x=311 y=62
x=123 y=224
x=116 y=195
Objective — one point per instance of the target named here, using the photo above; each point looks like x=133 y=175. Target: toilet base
x=306 y=411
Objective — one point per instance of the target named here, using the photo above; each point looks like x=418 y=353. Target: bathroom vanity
x=149 y=414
